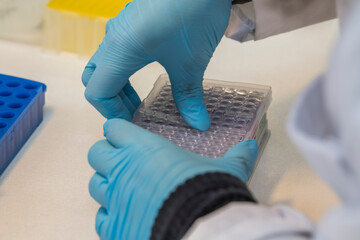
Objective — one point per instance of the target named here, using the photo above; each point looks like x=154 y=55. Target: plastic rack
x=21 y=112
x=78 y=26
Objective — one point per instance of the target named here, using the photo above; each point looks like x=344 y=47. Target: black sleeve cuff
x=240 y=1
x=195 y=198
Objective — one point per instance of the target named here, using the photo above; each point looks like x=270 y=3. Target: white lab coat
x=325 y=125
x=259 y=19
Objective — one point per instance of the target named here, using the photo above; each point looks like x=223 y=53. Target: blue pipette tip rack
x=21 y=112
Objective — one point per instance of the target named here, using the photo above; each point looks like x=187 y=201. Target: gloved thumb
x=241 y=159
x=189 y=99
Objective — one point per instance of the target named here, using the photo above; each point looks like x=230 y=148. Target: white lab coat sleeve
x=325 y=122
x=325 y=125
x=251 y=221
x=263 y=18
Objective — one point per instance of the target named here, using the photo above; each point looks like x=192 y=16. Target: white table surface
x=44 y=192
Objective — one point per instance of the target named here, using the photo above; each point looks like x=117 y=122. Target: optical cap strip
x=21 y=111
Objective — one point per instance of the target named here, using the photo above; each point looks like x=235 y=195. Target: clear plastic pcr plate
x=237 y=111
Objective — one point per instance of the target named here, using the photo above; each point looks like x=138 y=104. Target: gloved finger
x=110 y=107
x=109 y=78
x=87 y=73
x=101 y=156
x=132 y=95
x=129 y=105
x=101 y=222
x=98 y=188
x=244 y=153
x=90 y=67
x=189 y=99
x=122 y=133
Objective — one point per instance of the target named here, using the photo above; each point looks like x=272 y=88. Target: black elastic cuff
x=240 y=1
x=195 y=198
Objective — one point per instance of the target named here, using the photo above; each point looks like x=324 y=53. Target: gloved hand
x=137 y=171
x=180 y=35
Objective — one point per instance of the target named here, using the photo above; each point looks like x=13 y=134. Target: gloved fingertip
x=201 y=123
x=98 y=189
x=242 y=157
x=125 y=115
x=107 y=125
x=195 y=114
x=252 y=145
x=86 y=75
x=109 y=107
x=112 y=123
x=95 y=149
x=247 y=149
x=100 y=221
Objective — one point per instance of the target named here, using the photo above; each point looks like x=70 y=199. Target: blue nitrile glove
x=136 y=171
x=180 y=35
